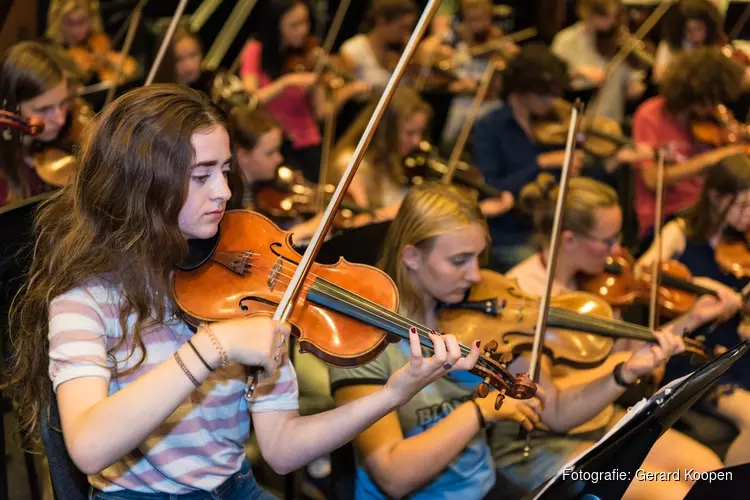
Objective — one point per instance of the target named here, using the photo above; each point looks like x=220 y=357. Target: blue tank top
x=700 y=258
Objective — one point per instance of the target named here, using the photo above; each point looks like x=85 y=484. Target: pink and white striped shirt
x=203 y=442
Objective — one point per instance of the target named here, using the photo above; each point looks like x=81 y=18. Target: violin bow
x=562 y=194
x=741 y=22
x=289 y=299
x=133 y=23
x=165 y=43
x=329 y=124
x=476 y=104
x=656 y=263
x=228 y=33
x=627 y=48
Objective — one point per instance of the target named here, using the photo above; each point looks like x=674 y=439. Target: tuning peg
x=483 y=389
x=490 y=347
x=499 y=401
x=506 y=358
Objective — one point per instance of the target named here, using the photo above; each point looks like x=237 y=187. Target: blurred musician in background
x=372 y=53
x=32 y=82
x=582 y=46
x=689 y=25
x=294 y=97
x=692 y=88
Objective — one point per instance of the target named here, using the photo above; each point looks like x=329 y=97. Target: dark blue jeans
x=240 y=486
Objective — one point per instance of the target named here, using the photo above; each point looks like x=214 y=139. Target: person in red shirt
x=694 y=85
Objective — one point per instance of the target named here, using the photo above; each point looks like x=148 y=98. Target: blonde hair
x=585 y=195
x=61 y=8
x=381 y=154
x=429 y=210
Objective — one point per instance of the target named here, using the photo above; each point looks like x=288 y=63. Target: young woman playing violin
x=381 y=182
x=295 y=98
x=435 y=245
x=76 y=26
x=390 y=22
x=32 y=82
x=591 y=226
x=578 y=46
x=693 y=239
x=694 y=85
x=257 y=139
x=147 y=406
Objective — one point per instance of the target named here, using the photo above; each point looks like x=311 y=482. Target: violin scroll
x=32 y=126
x=518 y=387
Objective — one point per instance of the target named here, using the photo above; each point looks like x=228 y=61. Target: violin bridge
x=275 y=272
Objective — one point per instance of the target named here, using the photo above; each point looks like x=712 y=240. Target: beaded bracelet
x=217 y=345
x=185 y=369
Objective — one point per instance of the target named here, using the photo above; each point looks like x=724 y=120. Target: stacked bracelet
x=217 y=345
x=185 y=369
x=199 y=356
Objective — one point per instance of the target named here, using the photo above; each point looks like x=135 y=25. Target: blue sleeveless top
x=700 y=258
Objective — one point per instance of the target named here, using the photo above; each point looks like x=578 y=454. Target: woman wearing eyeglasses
x=723 y=207
x=590 y=233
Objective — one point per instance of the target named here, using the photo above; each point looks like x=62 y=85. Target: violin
x=599 y=135
x=349 y=312
x=310 y=56
x=733 y=255
x=32 y=126
x=720 y=129
x=581 y=326
x=424 y=164
x=618 y=286
x=732 y=52
x=97 y=56
x=54 y=161
x=290 y=196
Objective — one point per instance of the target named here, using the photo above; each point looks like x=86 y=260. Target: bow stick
x=562 y=194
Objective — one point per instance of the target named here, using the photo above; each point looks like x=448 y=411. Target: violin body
x=619 y=287
x=733 y=255
x=97 y=56
x=424 y=164
x=309 y=56
x=721 y=129
x=599 y=135
x=291 y=196
x=512 y=327
x=55 y=162
x=248 y=272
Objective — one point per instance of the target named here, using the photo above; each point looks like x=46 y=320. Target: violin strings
x=365 y=305
x=563 y=314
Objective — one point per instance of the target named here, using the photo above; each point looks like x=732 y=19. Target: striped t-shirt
x=203 y=441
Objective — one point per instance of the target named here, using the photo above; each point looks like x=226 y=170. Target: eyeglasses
x=610 y=242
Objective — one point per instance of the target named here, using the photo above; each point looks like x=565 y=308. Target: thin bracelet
x=217 y=345
x=482 y=421
x=185 y=369
x=199 y=356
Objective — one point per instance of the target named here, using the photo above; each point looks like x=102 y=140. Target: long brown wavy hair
x=381 y=153
x=118 y=221
x=729 y=177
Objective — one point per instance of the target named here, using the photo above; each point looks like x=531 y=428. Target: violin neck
x=685 y=285
x=571 y=320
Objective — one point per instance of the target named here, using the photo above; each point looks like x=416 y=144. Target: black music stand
x=624 y=449
x=361 y=245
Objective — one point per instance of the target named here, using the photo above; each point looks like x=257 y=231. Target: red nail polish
x=412 y=330
x=476 y=343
